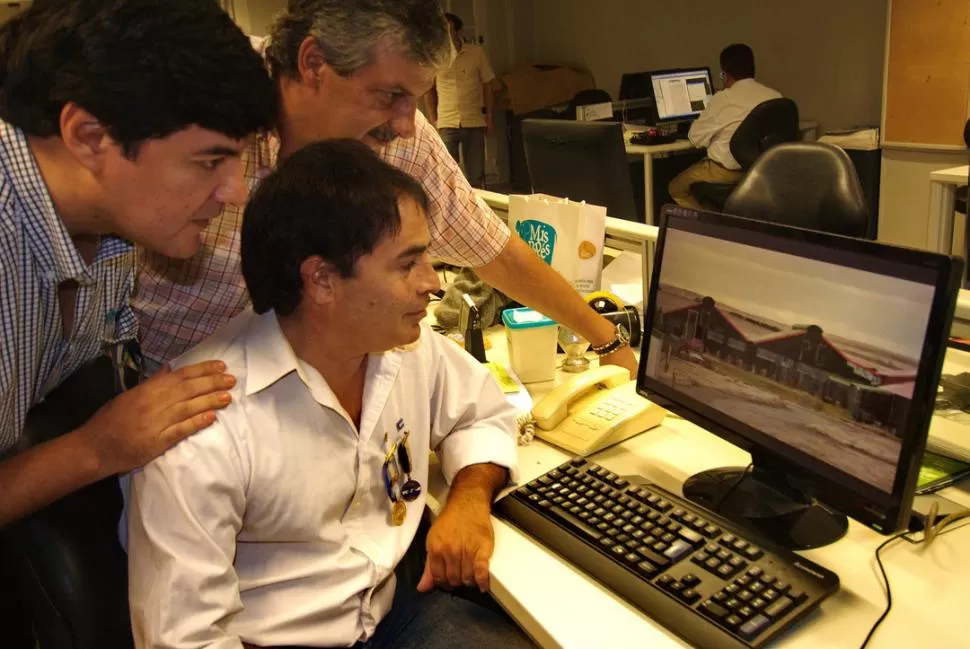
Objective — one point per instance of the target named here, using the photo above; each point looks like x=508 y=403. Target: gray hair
x=348 y=33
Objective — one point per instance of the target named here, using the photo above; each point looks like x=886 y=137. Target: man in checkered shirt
x=118 y=126
x=351 y=68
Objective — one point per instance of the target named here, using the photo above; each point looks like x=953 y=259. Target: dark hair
x=144 y=68
x=737 y=60
x=348 y=32
x=455 y=22
x=333 y=198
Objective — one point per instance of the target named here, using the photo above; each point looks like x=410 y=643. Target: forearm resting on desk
x=521 y=275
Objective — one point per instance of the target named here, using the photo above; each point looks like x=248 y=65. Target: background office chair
x=66 y=559
x=770 y=123
x=805 y=184
x=585 y=98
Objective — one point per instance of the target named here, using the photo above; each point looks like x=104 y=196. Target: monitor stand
x=764 y=502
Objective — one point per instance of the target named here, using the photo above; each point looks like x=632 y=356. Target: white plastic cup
x=531 y=339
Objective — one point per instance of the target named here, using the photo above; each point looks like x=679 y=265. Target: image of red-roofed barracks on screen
x=842 y=401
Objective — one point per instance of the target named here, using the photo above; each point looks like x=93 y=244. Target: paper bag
x=565 y=234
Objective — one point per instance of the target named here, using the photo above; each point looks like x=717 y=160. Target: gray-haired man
x=354 y=69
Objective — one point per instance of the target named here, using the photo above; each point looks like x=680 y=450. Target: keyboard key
x=726 y=570
x=756 y=587
x=796 y=595
x=628 y=528
x=744 y=580
x=688 y=519
x=711 y=530
x=781 y=586
x=768 y=579
x=753 y=553
x=584 y=515
x=668 y=538
x=656 y=559
x=623 y=499
x=558 y=500
x=677 y=550
x=638 y=534
x=728 y=539
x=737 y=562
x=739 y=545
x=580 y=526
x=754 y=626
x=723 y=555
x=690 y=536
x=621 y=482
x=613 y=532
x=720 y=597
x=746 y=596
x=733 y=621
x=690 y=595
x=578 y=461
x=778 y=608
x=632 y=544
x=714 y=611
x=745 y=612
x=665 y=581
x=660 y=547
x=757 y=603
x=770 y=595
x=713 y=563
x=676 y=586
x=732 y=604
x=607 y=542
x=647 y=569
x=678 y=513
x=622 y=538
x=632 y=557
x=755 y=571
x=618 y=550
x=690 y=580
x=544 y=503
x=732 y=589
x=575 y=509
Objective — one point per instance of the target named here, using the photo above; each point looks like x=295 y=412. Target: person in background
x=461 y=104
x=118 y=126
x=355 y=69
x=294 y=520
x=715 y=126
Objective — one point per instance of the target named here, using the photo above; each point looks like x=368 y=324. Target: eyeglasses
x=401 y=488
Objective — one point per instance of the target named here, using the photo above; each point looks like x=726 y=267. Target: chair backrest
x=770 y=123
x=805 y=184
x=70 y=568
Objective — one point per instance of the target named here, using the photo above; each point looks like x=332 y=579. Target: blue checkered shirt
x=36 y=255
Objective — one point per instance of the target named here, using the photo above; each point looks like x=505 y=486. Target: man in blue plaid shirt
x=121 y=122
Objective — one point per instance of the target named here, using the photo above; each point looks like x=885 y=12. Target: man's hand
x=623 y=357
x=461 y=541
x=139 y=425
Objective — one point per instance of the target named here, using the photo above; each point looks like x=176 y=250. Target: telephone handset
x=593 y=410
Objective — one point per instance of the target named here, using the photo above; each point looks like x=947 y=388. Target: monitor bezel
x=685 y=116
x=829 y=485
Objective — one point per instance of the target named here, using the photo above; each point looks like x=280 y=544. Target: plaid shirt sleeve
x=464 y=231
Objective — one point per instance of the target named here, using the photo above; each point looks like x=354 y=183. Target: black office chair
x=806 y=184
x=770 y=123
x=585 y=98
x=66 y=560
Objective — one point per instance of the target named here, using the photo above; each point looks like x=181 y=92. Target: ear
x=320 y=279
x=84 y=136
x=311 y=63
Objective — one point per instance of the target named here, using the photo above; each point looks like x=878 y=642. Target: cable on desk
x=932 y=531
x=737 y=482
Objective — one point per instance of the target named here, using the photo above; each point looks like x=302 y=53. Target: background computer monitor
x=681 y=94
x=582 y=161
x=818 y=354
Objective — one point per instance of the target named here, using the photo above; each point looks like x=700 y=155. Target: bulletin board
x=927 y=73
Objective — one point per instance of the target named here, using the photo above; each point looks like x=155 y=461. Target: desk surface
x=951 y=176
x=562 y=608
x=656 y=149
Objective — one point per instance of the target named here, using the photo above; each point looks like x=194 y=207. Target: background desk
x=562 y=608
x=943 y=187
x=648 y=152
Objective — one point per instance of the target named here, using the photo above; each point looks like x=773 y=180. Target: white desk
x=943 y=187
x=561 y=608
x=649 y=152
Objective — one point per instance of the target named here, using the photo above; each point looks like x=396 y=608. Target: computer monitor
x=818 y=354
x=582 y=161
x=681 y=94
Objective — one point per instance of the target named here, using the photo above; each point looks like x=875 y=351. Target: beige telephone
x=593 y=410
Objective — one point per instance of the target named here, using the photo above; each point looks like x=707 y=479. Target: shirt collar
x=54 y=252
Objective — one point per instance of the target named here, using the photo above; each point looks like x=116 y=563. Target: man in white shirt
x=461 y=104
x=714 y=128
x=283 y=523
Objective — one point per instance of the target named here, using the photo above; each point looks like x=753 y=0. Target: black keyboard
x=692 y=571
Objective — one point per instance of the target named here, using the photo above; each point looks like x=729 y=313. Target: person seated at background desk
x=283 y=523
x=715 y=126
x=345 y=68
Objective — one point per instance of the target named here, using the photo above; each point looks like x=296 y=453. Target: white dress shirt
x=460 y=92
x=728 y=108
x=272 y=526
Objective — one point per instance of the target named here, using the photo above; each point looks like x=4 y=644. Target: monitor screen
x=681 y=94
x=820 y=354
x=581 y=161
